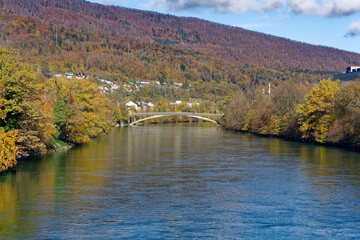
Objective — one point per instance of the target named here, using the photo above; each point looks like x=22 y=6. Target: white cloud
x=234 y=6
x=326 y=8
x=353 y=30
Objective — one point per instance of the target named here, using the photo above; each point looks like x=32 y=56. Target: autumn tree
x=8 y=149
x=345 y=130
x=81 y=111
x=315 y=115
x=25 y=106
x=237 y=112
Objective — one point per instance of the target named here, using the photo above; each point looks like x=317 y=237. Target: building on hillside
x=351 y=74
x=178 y=85
x=133 y=105
x=69 y=75
x=143 y=82
x=80 y=76
x=127 y=88
x=114 y=87
x=146 y=106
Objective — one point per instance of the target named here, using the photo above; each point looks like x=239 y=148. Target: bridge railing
x=175 y=114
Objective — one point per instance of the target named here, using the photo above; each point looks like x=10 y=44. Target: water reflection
x=184 y=181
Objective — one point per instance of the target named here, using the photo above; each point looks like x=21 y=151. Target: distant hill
x=128 y=44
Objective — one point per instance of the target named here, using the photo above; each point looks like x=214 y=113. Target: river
x=187 y=181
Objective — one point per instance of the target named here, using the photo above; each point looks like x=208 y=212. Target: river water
x=184 y=182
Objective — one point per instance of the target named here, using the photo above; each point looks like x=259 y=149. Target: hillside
x=127 y=44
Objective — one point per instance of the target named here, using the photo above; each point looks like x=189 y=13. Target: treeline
x=38 y=114
x=326 y=113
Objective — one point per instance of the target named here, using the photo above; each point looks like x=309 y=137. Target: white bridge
x=151 y=115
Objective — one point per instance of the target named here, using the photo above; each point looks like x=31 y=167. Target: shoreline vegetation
x=327 y=113
x=40 y=115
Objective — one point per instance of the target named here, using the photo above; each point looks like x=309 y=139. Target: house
x=351 y=74
x=80 y=75
x=151 y=105
x=143 y=82
x=57 y=75
x=176 y=103
x=178 y=85
x=131 y=105
x=127 y=88
x=147 y=106
x=69 y=75
x=114 y=87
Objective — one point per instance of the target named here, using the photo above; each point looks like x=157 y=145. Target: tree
x=81 y=111
x=237 y=113
x=315 y=115
x=25 y=106
x=346 y=106
x=8 y=149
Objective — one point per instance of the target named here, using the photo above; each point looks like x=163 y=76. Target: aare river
x=184 y=182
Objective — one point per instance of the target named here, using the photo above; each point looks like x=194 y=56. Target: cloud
x=234 y=6
x=353 y=30
x=326 y=8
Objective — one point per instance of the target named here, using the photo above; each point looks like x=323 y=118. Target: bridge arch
x=173 y=114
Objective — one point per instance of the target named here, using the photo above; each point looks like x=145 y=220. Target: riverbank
x=296 y=140
x=38 y=113
x=327 y=113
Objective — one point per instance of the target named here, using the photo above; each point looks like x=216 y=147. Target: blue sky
x=333 y=23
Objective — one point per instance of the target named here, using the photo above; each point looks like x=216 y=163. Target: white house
x=179 y=85
x=114 y=87
x=69 y=75
x=352 y=73
x=151 y=105
x=131 y=104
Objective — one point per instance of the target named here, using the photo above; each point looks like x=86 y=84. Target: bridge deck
x=176 y=114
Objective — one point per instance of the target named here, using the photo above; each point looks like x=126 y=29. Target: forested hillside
x=124 y=45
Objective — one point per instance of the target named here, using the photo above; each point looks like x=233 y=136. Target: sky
x=333 y=23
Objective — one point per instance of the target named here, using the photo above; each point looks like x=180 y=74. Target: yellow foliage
x=275 y=125
x=86 y=113
x=8 y=149
x=315 y=115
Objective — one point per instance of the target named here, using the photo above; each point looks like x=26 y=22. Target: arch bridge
x=152 y=115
